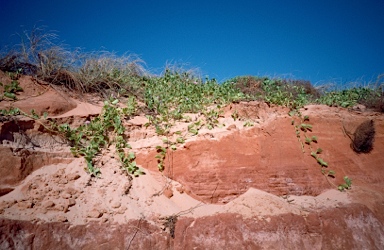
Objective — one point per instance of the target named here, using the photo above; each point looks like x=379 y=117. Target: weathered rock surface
x=28 y=235
x=350 y=227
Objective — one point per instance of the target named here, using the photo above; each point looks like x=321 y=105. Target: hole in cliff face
x=7 y=130
x=4 y=191
x=25 y=149
x=27 y=134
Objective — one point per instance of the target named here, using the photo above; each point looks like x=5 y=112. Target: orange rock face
x=270 y=157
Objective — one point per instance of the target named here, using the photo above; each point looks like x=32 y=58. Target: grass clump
x=363 y=137
x=250 y=86
x=105 y=70
x=370 y=95
x=347 y=97
x=283 y=92
x=37 y=54
x=40 y=55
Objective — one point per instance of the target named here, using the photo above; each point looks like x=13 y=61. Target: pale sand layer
x=144 y=199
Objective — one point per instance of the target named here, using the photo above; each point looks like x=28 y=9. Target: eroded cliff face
x=269 y=156
x=347 y=227
x=232 y=187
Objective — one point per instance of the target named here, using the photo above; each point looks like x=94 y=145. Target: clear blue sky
x=328 y=40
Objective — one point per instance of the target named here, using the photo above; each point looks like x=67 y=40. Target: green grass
x=371 y=97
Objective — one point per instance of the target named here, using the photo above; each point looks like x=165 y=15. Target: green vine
x=302 y=126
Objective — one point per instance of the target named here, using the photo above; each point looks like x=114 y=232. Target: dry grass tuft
x=39 y=55
x=362 y=141
x=105 y=70
x=249 y=85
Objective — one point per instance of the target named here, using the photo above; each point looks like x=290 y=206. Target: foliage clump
x=89 y=139
x=10 y=90
x=284 y=92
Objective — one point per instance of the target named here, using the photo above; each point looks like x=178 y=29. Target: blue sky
x=321 y=41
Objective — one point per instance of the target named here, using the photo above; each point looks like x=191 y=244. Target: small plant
x=311 y=139
x=248 y=124
x=161 y=154
x=11 y=90
x=346 y=185
x=10 y=112
x=128 y=163
x=211 y=118
x=305 y=127
x=16 y=74
x=131 y=108
x=163 y=150
x=170 y=224
x=319 y=160
x=179 y=139
x=235 y=115
x=195 y=127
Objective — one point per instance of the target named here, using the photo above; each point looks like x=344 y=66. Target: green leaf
x=292 y=113
x=160 y=167
x=322 y=162
x=348 y=181
x=313 y=154
x=305 y=127
x=193 y=131
x=34 y=115
x=180 y=140
x=10 y=95
x=308 y=140
x=331 y=173
x=131 y=156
